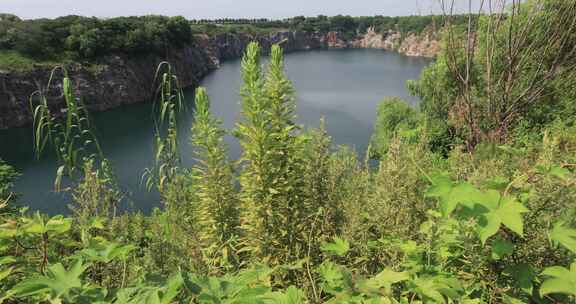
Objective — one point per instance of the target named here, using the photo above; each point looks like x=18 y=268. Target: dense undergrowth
x=442 y=218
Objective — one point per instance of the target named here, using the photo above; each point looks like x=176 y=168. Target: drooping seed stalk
x=69 y=134
x=168 y=106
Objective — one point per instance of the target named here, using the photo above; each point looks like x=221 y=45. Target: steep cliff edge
x=119 y=79
x=426 y=44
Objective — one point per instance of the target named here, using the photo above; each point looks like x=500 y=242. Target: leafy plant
x=561 y=280
x=217 y=213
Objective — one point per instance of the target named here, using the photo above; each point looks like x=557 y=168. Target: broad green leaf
x=489 y=199
x=58 y=282
x=441 y=185
x=339 y=247
x=501 y=248
x=462 y=193
x=489 y=226
x=335 y=279
x=291 y=295
x=498 y=183
x=427 y=288
x=255 y=275
x=437 y=288
x=5 y=260
x=330 y=272
x=59 y=224
x=5 y=273
x=31 y=287
x=34 y=225
x=172 y=289
x=565 y=236
x=559 y=172
x=409 y=247
x=523 y=276
x=492 y=210
x=555 y=171
x=385 y=279
x=450 y=194
x=471 y=301
x=389 y=276
x=106 y=251
x=8 y=230
x=561 y=280
x=506 y=299
x=510 y=212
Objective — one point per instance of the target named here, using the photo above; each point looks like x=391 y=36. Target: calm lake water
x=343 y=86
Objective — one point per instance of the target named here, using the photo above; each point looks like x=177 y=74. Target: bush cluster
x=87 y=38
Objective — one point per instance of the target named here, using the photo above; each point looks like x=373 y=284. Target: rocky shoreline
x=120 y=79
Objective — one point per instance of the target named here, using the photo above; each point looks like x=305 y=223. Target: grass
x=14 y=61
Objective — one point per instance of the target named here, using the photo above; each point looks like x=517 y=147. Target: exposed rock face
x=426 y=44
x=122 y=79
x=373 y=40
x=114 y=81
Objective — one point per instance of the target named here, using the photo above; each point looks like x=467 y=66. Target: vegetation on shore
x=24 y=43
x=459 y=209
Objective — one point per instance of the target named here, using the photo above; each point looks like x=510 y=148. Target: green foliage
x=106 y=252
x=490 y=209
x=561 y=280
x=19 y=62
x=71 y=138
x=395 y=119
x=96 y=195
x=296 y=220
x=274 y=213
x=350 y=26
x=510 y=81
x=564 y=236
x=88 y=38
x=339 y=247
x=57 y=284
x=167 y=108
x=218 y=206
x=8 y=176
x=25 y=43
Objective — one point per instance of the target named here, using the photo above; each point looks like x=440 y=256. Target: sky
x=197 y=9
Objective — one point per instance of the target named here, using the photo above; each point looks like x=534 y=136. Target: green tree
x=343 y=23
x=395 y=119
x=501 y=69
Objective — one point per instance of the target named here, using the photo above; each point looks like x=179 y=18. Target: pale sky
x=196 y=9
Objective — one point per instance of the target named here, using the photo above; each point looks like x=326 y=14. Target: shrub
x=396 y=119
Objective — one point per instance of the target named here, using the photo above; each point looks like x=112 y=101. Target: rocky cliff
x=426 y=44
x=122 y=79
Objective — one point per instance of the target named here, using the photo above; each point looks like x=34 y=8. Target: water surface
x=343 y=86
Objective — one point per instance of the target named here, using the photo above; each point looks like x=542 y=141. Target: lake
x=343 y=86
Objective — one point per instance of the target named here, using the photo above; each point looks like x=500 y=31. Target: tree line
x=84 y=38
